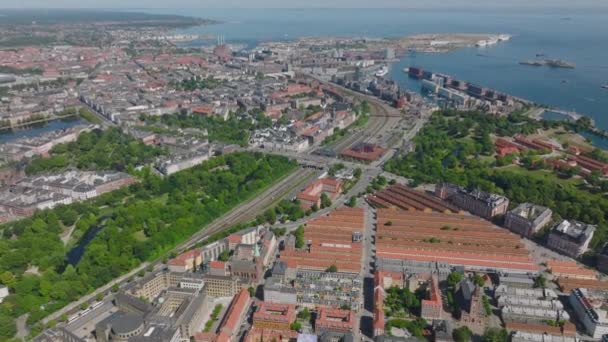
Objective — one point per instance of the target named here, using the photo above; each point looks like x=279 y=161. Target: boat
x=605 y=86
x=406 y=70
x=532 y=63
x=558 y=63
x=504 y=37
x=382 y=72
x=481 y=43
x=540 y=55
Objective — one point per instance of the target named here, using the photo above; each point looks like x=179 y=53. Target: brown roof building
x=274 y=316
x=364 y=152
x=329 y=319
x=460 y=240
x=332 y=241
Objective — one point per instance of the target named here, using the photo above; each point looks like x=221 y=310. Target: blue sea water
x=579 y=36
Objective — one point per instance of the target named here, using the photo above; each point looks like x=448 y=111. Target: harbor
x=462 y=94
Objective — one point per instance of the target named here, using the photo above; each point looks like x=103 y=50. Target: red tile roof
x=275 y=312
x=364 y=152
x=335 y=319
x=185 y=258
x=238 y=306
x=217 y=264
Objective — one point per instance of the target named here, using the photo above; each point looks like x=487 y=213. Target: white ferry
x=382 y=72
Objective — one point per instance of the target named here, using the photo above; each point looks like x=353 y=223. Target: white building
x=571 y=238
x=591 y=309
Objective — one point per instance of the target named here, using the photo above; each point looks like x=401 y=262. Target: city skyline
x=412 y=4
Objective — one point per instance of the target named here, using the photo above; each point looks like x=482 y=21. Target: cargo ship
x=558 y=63
x=552 y=63
x=532 y=63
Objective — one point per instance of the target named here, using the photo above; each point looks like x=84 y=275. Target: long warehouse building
x=456 y=239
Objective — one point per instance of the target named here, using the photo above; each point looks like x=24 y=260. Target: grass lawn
x=541 y=174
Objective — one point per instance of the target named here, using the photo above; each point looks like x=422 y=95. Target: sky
x=498 y=4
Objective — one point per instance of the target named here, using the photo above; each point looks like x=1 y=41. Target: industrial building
x=459 y=240
x=331 y=241
x=403 y=197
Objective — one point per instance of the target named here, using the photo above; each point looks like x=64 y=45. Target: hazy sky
x=507 y=4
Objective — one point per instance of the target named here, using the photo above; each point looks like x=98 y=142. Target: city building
x=432 y=307
x=602 y=259
x=79 y=185
x=470 y=298
x=442 y=331
x=334 y=320
x=405 y=198
x=527 y=219
x=571 y=238
x=570 y=270
x=277 y=291
x=311 y=195
x=591 y=309
x=330 y=243
x=186 y=262
x=476 y=202
x=517 y=281
x=260 y=335
x=434 y=239
x=274 y=316
x=152 y=285
x=221 y=286
x=235 y=315
x=363 y=152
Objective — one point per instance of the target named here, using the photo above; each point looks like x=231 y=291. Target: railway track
x=249 y=210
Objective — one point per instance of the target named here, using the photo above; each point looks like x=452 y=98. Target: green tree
x=224 y=256
x=486 y=305
x=495 y=335
x=304 y=314
x=325 y=201
x=332 y=269
x=7 y=326
x=299 y=233
x=462 y=334
x=352 y=202
x=454 y=279
x=540 y=282
x=296 y=326
x=478 y=280
x=8 y=279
